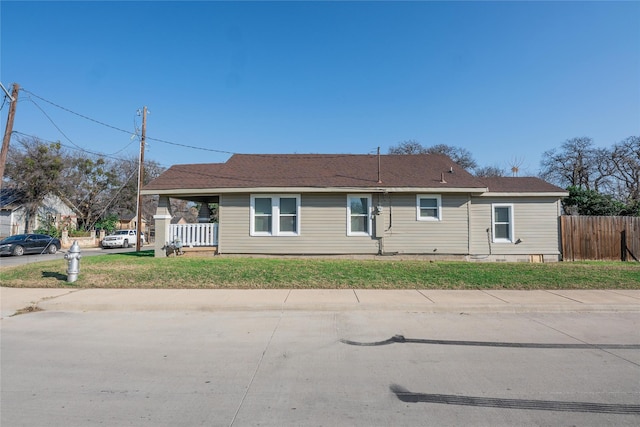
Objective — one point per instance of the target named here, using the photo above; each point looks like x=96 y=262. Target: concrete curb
x=427 y=301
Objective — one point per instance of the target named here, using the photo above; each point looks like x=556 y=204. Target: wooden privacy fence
x=614 y=238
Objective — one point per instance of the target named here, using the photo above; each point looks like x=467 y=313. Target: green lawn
x=142 y=270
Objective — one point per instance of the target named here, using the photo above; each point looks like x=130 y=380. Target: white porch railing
x=195 y=234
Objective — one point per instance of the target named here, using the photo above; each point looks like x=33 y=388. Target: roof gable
x=11 y=198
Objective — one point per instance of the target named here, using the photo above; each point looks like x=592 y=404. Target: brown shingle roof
x=338 y=171
x=520 y=185
x=318 y=171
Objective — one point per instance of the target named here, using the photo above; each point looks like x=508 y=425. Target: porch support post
x=163 y=220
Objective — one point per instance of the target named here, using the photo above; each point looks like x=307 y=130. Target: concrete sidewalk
x=15 y=300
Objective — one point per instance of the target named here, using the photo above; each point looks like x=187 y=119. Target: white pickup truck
x=122 y=239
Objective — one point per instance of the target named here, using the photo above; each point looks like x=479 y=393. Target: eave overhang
x=525 y=194
x=207 y=191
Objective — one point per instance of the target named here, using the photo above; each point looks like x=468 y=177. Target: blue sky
x=505 y=80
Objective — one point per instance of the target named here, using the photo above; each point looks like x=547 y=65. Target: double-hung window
x=429 y=207
x=502 y=222
x=289 y=215
x=262 y=210
x=275 y=215
x=358 y=215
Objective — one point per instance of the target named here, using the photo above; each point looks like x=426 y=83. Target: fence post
x=623 y=245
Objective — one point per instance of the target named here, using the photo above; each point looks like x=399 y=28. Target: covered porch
x=195 y=238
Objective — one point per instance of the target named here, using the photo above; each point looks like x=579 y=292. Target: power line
x=54 y=123
x=162 y=141
x=108 y=156
x=67 y=137
x=122 y=130
x=117 y=194
x=77 y=114
x=191 y=146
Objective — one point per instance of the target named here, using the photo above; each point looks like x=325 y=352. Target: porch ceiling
x=197 y=198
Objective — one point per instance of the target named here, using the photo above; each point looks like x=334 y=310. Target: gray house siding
x=13 y=220
x=535 y=225
x=405 y=234
x=465 y=228
x=323 y=229
x=5 y=223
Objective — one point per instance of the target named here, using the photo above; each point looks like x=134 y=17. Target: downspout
x=379 y=217
x=469 y=224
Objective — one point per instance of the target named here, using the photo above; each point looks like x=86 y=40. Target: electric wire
x=163 y=141
x=54 y=124
x=67 y=137
x=148 y=138
x=108 y=156
x=191 y=146
x=77 y=147
x=133 y=173
x=73 y=112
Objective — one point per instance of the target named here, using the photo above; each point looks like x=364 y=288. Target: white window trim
x=369 y=215
x=275 y=215
x=493 y=223
x=438 y=198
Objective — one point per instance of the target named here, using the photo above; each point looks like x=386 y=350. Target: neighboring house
x=128 y=222
x=13 y=215
x=366 y=204
x=178 y=220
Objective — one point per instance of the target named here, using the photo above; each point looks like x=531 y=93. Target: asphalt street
x=320 y=368
x=12 y=261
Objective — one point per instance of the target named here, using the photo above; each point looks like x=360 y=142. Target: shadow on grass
x=52 y=274
x=142 y=254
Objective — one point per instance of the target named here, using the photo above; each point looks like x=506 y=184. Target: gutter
x=196 y=191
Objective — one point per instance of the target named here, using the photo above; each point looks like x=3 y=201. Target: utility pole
x=141 y=179
x=9 y=129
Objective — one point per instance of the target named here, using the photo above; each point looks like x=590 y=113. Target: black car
x=29 y=244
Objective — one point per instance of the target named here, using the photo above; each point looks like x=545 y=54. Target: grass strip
x=142 y=270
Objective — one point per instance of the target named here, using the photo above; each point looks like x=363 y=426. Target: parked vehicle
x=122 y=239
x=21 y=244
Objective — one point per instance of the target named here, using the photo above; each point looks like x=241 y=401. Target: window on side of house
x=288 y=213
x=275 y=215
x=502 y=222
x=429 y=207
x=358 y=215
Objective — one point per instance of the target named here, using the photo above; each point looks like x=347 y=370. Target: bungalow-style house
x=318 y=204
x=13 y=214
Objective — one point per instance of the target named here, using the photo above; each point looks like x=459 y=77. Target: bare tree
x=127 y=201
x=461 y=156
x=34 y=168
x=576 y=164
x=87 y=187
x=489 y=171
x=625 y=161
x=184 y=208
x=408 y=147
